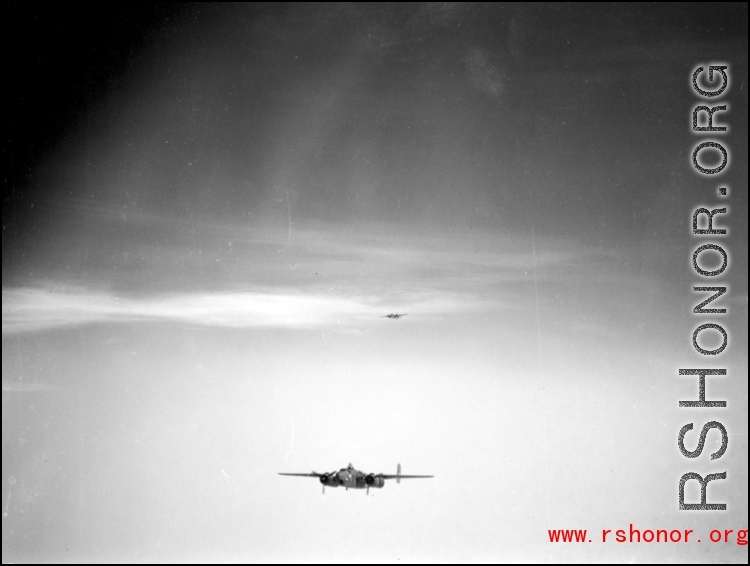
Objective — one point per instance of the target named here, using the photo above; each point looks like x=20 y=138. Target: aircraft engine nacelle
x=330 y=480
x=374 y=481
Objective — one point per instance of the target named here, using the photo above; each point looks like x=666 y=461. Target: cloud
x=485 y=74
x=329 y=277
x=22 y=387
x=34 y=309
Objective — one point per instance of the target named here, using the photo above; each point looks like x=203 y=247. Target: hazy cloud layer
x=33 y=309
x=242 y=276
x=22 y=387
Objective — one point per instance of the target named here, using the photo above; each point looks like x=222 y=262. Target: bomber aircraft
x=393 y=315
x=349 y=477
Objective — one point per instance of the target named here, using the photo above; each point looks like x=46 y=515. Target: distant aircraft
x=349 y=477
x=396 y=316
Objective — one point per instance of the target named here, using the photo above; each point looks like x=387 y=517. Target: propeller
x=325 y=478
x=369 y=481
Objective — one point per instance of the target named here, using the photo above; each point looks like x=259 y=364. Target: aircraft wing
x=403 y=477
x=312 y=475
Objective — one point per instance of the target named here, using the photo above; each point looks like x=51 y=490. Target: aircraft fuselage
x=350 y=478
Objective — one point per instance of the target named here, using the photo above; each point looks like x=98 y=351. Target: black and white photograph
x=375 y=282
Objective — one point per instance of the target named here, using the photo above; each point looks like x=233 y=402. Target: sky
x=208 y=210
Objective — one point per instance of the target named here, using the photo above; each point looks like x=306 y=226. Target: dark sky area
x=208 y=209
x=471 y=107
